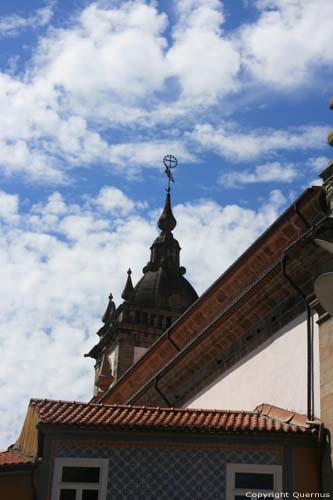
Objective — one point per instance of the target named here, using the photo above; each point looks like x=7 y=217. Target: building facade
x=92 y=451
x=258 y=339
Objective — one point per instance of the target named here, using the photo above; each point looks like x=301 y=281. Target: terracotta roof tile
x=263 y=419
x=12 y=458
x=283 y=416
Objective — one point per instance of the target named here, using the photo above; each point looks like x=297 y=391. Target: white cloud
x=58 y=263
x=99 y=72
x=289 y=40
x=135 y=156
x=230 y=141
x=116 y=50
x=112 y=200
x=13 y=24
x=205 y=61
x=95 y=91
x=268 y=172
x=222 y=233
x=318 y=163
x=314 y=182
x=8 y=206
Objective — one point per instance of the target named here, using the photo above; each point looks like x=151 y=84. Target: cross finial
x=169 y=162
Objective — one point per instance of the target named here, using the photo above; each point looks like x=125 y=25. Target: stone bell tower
x=148 y=308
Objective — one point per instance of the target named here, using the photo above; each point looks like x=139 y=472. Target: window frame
x=58 y=484
x=232 y=468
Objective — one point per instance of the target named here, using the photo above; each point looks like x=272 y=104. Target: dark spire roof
x=127 y=294
x=162 y=290
x=163 y=284
x=167 y=222
x=110 y=310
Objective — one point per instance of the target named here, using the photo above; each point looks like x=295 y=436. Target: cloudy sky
x=92 y=96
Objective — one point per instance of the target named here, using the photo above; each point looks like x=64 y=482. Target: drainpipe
x=33 y=481
x=310 y=393
x=172 y=341
x=301 y=216
x=161 y=394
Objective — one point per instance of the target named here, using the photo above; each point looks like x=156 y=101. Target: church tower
x=149 y=308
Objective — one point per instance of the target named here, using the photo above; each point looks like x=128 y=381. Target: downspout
x=160 y=393
x=33 y=483
x=310 y=394
x=310 y=372
x=172 y=342
x=301 y=216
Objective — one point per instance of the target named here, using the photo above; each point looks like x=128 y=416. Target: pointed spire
x=110 y=310
x=167 y=221
x=127 y=294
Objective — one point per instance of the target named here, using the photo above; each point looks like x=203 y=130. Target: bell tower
x=148 y=308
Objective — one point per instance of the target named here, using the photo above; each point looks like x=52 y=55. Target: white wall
x=139 y=352
x=113 y=359
x=276 y=373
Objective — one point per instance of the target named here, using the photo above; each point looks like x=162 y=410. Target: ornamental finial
x=170 y=162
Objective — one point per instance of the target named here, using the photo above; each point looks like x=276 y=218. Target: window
x=80 y=479
x=243 y=478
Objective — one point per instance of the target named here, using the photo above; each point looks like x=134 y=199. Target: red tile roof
x=13 y=458
x=152 y=418
x=287 y=416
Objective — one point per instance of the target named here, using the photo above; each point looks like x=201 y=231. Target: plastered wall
x=275 y=373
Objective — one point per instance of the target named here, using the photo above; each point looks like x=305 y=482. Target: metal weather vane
x=170 y=162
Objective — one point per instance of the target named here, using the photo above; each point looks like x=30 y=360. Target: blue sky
x=93 y=95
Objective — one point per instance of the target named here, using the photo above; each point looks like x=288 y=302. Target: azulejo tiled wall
x=152 y=473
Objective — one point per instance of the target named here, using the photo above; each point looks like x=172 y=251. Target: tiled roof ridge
x=257 y=409
x=262 y=418
x=35 y=401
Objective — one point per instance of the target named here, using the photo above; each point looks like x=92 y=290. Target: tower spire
x=167 y=221
x=160 y=296
x=110 y=310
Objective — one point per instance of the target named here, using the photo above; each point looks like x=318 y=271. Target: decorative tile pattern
x=168 y=473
